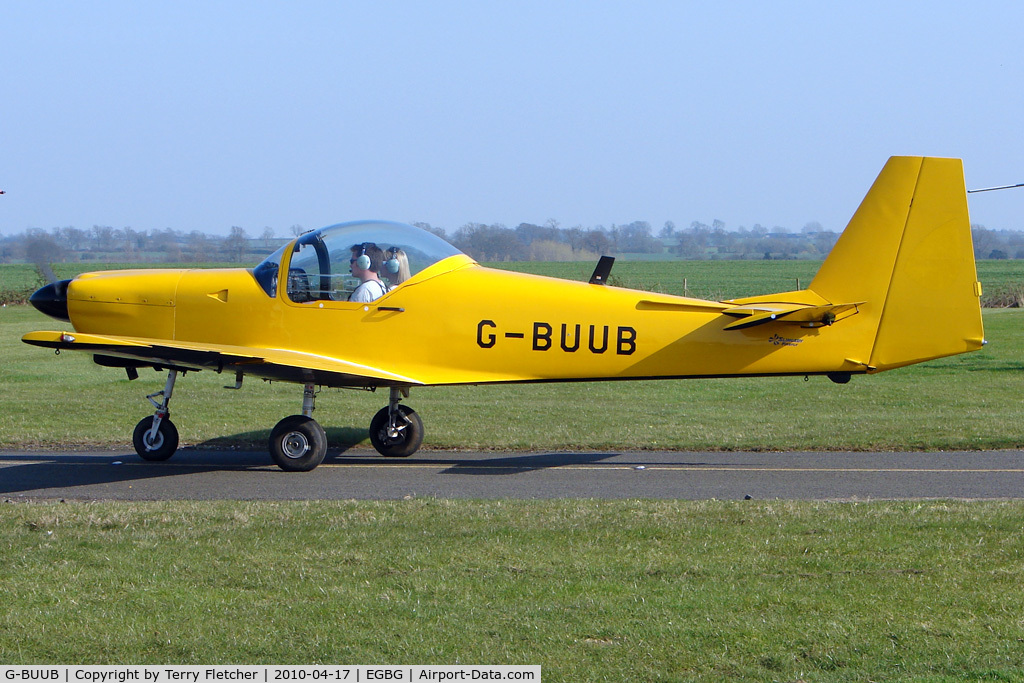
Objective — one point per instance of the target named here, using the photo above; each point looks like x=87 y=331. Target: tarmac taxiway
x=199 y=474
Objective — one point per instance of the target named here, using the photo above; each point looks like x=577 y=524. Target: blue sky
x=205 y=115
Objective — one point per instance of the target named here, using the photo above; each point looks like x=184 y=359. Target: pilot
x=367 y=259
x=396 y=267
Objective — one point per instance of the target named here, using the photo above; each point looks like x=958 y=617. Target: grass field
x=591 y=590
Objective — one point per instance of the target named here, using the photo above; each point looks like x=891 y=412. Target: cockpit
x=320 y=262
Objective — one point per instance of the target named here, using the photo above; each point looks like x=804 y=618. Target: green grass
x=718 y=280
x=592 y=591
x=703 y=279
x=970 y=401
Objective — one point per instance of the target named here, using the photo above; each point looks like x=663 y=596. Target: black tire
x=163 y=445
x=298 y=444
x=406 y=442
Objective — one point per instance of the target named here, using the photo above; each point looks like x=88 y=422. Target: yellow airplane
x=900 y=287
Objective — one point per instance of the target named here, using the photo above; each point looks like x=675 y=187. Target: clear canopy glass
x=320 y=265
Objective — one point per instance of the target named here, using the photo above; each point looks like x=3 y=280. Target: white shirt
x=368 y=291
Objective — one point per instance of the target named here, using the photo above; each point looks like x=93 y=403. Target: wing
x=277 y=364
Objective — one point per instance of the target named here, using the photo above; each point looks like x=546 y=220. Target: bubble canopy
x=322 y=258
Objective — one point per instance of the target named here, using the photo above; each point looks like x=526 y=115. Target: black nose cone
x=52 y=300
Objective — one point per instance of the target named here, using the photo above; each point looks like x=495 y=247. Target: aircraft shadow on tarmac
x=69 y=470
x=342 y=440
x=25 y=472
x=519 y=464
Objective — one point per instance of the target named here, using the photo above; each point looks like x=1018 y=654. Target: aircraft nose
x=52 y=300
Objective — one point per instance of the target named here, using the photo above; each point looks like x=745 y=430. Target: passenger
x=396 y=268
x=367 y=259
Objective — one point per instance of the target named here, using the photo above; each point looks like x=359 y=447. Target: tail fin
x=907 y=254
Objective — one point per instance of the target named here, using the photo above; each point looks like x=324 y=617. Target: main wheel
x=298 y=444
x=404 y=440
x=159 y=447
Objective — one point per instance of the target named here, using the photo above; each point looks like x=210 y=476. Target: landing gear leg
x=298 y=443
x=155 y=437
x=396 y=431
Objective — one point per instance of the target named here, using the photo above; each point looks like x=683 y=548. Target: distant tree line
x=495 y=242
x=105 y=243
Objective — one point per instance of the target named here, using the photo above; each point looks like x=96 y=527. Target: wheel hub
x=153 y=443
x=295 y=445
x=394 y=434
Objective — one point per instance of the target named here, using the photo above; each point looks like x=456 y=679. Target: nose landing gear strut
x=155 y=437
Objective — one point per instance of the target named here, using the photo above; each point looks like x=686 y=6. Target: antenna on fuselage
x=601 y=271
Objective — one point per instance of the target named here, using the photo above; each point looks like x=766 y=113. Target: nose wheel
x=155 y=437
x=155 y=445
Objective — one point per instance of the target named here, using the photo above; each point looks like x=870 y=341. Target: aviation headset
x=363 y=261
x=392 y=264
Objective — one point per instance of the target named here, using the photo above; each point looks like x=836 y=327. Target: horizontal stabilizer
x=679 y=304
x=802 y=314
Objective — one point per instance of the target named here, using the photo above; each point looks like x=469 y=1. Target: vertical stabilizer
x=907 y=254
